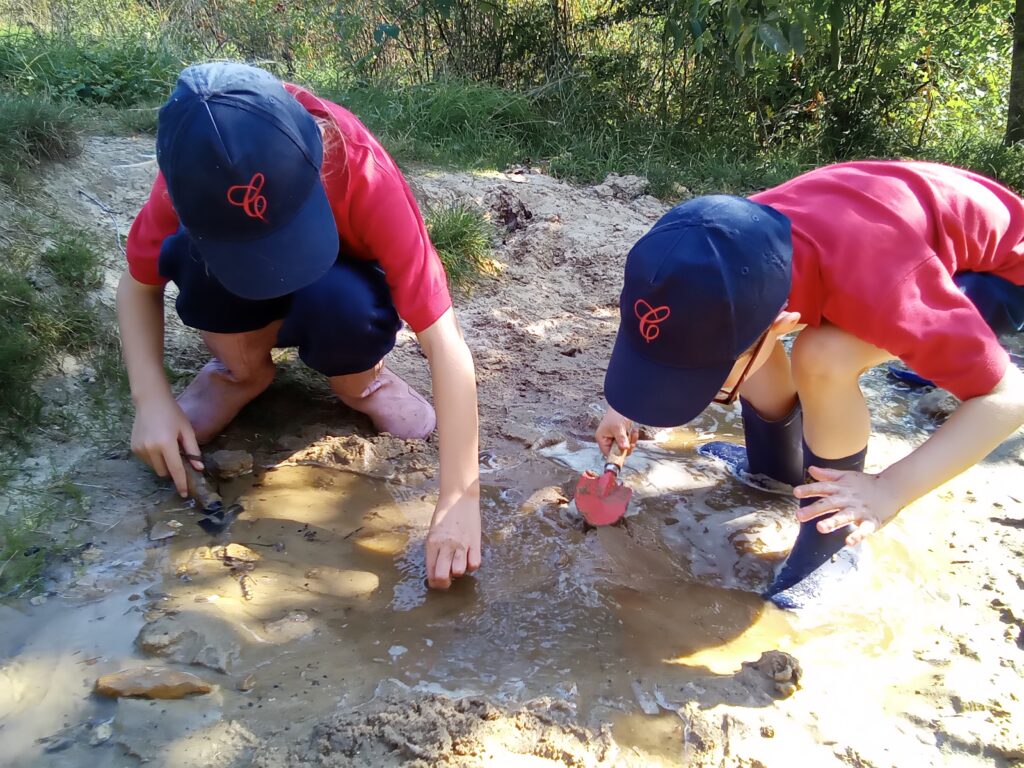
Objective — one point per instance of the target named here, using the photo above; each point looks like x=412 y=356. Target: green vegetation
x=26 y=517
x=120 y=72
x=462 y=237
x=713 y=94
x=33 y=130
x=45 y=312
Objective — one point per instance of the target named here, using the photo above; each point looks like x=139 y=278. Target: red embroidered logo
x=650 y=317
x=251 y=201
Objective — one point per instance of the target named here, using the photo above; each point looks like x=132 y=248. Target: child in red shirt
x=869 y=261
x=283 y=222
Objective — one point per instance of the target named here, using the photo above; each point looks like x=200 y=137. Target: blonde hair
x=330 y=134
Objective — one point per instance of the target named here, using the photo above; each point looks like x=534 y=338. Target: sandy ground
x=636 y=645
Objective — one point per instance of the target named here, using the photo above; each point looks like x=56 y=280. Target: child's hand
x=615 y=428
x=453 y=544
x=857 y=498
x=160 y=433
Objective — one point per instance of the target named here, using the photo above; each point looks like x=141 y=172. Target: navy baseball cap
x=700 y=288
x=242 y=159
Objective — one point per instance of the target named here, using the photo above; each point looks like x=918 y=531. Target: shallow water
x=608 y=619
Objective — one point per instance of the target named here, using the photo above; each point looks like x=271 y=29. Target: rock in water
x=164 y=529
x=937 y=404
x=337 y=582
x=191 y=638
x=226 y=465
x=294 y=626
x=151 y=683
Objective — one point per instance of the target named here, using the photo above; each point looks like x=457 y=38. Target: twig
x=110 y=213
x=6 y=562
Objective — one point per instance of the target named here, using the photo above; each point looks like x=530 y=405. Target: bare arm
x=453 y=544
x=161 y=429
x=973 y=431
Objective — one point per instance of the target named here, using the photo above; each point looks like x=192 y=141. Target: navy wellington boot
x=773 y=450
x=817 y=560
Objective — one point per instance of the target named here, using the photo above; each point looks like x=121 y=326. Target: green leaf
x=796 y=38
x=772 y=37
x=444 y=7
x=735 y=21
x=384 y=32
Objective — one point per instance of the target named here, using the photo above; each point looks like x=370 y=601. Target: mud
x=418 y=730
x=642 y=644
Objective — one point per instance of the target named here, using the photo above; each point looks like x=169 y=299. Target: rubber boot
x=816 y=560
x=392 y=405
x=240 y=370
x=772 y=450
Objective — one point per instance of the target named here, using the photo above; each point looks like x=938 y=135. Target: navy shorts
x=343 y=323
x=998 y=300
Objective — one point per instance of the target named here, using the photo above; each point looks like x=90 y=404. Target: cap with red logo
x=700 y=287
x=242 y=159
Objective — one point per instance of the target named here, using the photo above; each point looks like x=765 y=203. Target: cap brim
x=658 y=395
x=290 y=258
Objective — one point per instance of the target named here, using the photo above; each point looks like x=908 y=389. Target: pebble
x=151 y=683
x=246 y=684
x=101 y=734
x=226 y=465
x=38 y=600
x=164 y=529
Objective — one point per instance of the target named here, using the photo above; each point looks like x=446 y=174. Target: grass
x=33 y=130
x=118 y=72
x=26 y=543
x=46 y=312
x=462 y=237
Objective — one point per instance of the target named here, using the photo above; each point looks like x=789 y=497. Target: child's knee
x=823 y=358
x=245 y=357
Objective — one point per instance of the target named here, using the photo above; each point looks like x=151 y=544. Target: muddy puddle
x=320 y=600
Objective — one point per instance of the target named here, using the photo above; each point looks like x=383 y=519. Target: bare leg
x=240 y=370
x=771 y=389
x=827 y=366
x=773 y=437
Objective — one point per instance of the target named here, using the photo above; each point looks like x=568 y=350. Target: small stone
x=785 y=690
x=163 y=529
x=38 y=600
x=294 y=626
x=226 y=465
x=236 y=552
x=151 y=683
x=191 y=639
x=397 y=650
x=337 y=582
x=247 y=683
x=767 y=732
x=680 y=192
x=937 y=404
x=779 y=666
x=101 y=734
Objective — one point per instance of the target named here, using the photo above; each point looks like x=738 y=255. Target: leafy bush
x=118 y=72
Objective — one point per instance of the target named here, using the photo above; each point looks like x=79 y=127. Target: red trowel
x=603 y=500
